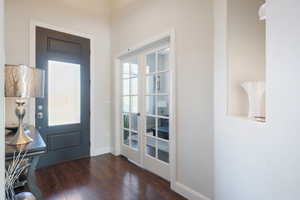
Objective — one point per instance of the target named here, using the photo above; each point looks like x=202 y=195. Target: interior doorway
x=146 y=107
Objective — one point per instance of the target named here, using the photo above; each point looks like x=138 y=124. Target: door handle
x=158 y=83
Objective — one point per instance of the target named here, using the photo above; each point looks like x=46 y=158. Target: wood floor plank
x=105 y=177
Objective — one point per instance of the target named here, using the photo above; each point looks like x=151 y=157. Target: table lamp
x=23 y=82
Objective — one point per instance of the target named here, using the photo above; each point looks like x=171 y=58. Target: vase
x=255 y=91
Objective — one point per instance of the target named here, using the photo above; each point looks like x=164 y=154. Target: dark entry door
x=63 y=115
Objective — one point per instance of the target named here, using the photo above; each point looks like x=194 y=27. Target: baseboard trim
x=100 y=151
x=115 y=152
x=188 y=192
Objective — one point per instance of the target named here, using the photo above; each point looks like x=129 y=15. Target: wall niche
x=246 y=32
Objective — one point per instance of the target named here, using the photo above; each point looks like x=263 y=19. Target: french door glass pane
x=163 y=129
x=150 y=84
x=64 y=93
x=151 y=105
x=163 y=83
x=151 y=126
x=134 y=86
x=126 y=121
x=126 y=86
x=126 y=137
x=126 y=104
x=151 y=146
x=126 y=70
x=134 y=70
x=163 y=59
x=150 y=63
x=163 y=151
x=163 y=105
x=134 y=104
x=134 y=122
x=134 y=140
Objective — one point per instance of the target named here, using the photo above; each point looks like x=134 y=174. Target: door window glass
x=151 y=126
x=126 y=104
x=126 y=137
x=163 y=151
x=126 y=86
x=151 y=146
x=151 y=63
x=163 y=105
x=163 y=59
x=151 y=105
x=163 y=128
x=163 y=82
x=126 y=70
x=134 y=122
x=134 y=104
x=134 y=140
x=150 y=84
x=134 y=70
x=134 y=86
x=126 y=121
x=64 y=93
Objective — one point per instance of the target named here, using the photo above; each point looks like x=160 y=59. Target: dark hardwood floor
x=104 y=177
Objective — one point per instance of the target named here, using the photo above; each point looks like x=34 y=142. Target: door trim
x=117 y=97
x=32 y=62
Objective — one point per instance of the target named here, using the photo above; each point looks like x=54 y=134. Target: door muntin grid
x=157 y=103
x=130 y=126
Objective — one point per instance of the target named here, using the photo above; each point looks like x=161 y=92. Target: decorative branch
x=17 y=166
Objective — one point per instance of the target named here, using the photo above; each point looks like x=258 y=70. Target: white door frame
x=117 y=97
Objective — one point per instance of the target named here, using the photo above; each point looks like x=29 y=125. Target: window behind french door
x=146 y=109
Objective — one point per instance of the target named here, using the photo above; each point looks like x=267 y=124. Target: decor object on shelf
x=255 y=91
x=262 y=12
x=23 y=82
x=12 y=173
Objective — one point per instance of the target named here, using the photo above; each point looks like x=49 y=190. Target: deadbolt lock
x=40 y=115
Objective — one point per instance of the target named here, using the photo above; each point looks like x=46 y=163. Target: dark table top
x=36 y=147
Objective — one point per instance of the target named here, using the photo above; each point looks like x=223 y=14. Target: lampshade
x=22 y=81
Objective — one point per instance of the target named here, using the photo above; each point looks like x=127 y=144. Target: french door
x=146 y=110
x=130 y=109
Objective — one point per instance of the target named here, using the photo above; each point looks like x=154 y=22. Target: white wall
x=246 y=51
x=252 y=160
x=133 y=22
x=91 y=17
x=2 y=156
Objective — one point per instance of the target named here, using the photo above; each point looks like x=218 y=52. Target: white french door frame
x=117 y=98
x=157 y=166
